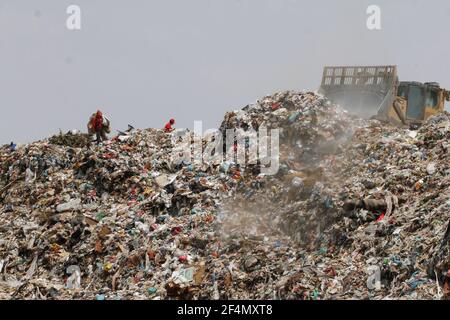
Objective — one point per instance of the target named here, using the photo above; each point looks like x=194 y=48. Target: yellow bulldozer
x=375 y=92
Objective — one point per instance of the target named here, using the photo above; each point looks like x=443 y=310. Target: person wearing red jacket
x=99 y=125
x=168 y=126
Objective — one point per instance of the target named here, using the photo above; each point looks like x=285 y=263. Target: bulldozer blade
x=365 y=91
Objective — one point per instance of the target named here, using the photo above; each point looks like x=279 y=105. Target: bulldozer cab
x=375 y=92
x=423 y=100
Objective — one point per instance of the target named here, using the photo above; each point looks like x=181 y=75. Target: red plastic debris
x=275 y=106
x=175 y=230
x=380 y=217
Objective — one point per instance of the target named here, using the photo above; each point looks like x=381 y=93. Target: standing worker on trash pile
x=99 y=125
x=12 y=146
x=168 y=126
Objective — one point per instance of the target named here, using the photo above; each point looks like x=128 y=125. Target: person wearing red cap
x=99 y=125
x=168 y=126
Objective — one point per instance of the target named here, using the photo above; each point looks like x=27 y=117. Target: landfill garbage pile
x=121 y=220
x=71 y=139
x=311 y=126
x=370 y=220
x=313 y=130
x=114 y=218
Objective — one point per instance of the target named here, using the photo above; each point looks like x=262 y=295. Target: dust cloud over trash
x=357 y=210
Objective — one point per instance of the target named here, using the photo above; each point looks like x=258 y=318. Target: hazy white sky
x=145 y=61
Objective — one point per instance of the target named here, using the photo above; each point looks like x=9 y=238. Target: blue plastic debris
x=294 y=116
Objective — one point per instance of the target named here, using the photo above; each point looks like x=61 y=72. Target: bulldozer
x=376 y=92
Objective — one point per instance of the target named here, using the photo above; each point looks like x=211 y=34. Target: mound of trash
x=370 y=221
x=71 y=139
x=357 y=210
